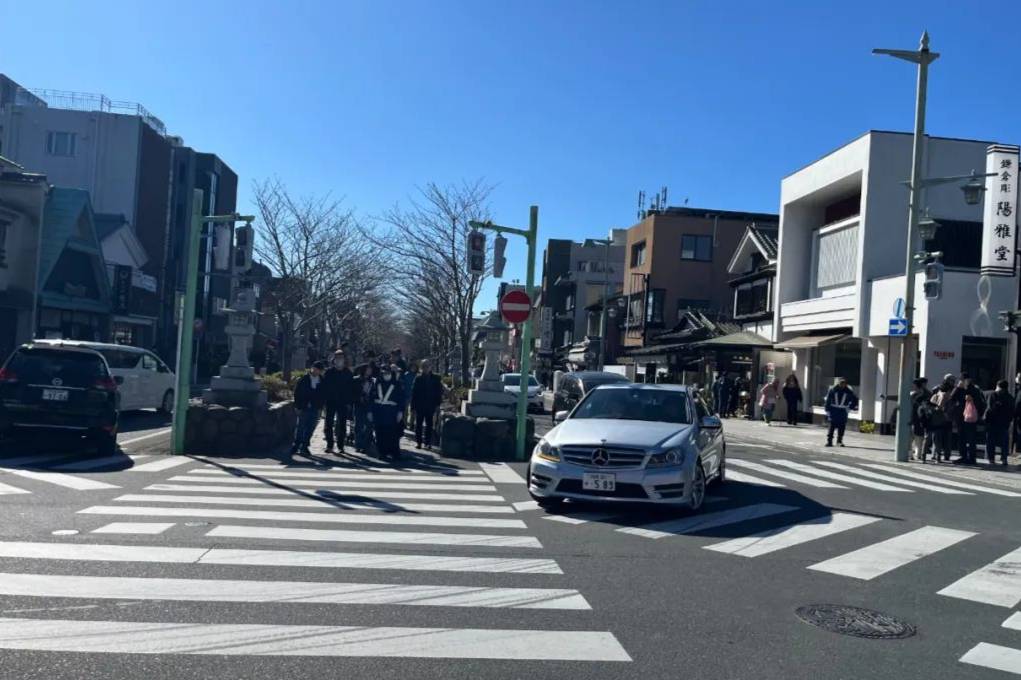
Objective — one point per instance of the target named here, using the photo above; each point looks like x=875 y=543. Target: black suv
x=59 y=388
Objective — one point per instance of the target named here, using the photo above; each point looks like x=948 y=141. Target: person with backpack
x=998 y=417
x=919 y=398
x=969 y=404
x=939 y=425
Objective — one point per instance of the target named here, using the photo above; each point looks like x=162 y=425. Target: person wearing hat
x=839 y=400
x=309 y=396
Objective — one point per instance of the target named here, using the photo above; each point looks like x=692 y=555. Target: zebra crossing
x=70 y=470
x=359 y=525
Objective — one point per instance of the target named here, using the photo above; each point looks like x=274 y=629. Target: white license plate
x=598 y=481
x=54 y=395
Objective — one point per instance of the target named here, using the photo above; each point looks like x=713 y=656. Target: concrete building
x=840 y=273
x=22 y=207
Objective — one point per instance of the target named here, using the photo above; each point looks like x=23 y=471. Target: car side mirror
x=119 y=379
x=561 y=416
x=711 y=423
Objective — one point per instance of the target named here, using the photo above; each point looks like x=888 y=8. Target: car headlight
x=667 y=458
x=546 y=451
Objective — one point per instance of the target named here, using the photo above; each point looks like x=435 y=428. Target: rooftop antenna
x=641 y=205
x=685 y=200
x=665 y=204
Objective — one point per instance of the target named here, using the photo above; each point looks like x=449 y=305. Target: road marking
x=342 y=477
x=1013 y=621
x=365 y=470
x=801 y=467
x=771 y=540
x=157 y=433
x=345 y=536
x=214 y=590
x=880 y=558
x=906 y=482
x=163 y=463
x=942 y=480
x=711 y=520
x=582 y=517
x=995 y=657
x=321 y=503
x=33 y=460
x=61 y=479
x=525 y=506
x=8 y=490
x=501 y=473
x=91 y=552
x=735 y=476
x=256 y=487
x=997 y=583
x=150 y=528
x=239 y=639
x=338 y=518
x=783 y=474
x=430 y=485
x=93 y=463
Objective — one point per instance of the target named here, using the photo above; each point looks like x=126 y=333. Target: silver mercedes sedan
x=634 y=443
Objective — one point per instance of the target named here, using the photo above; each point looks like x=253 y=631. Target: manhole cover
x=855 y=621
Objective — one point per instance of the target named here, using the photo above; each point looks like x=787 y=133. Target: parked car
x=637 y=443
x=574 y=386
x=49 y=387
x=512 y=385
x=148 y=382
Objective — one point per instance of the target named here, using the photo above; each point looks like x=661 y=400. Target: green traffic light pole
x=186 y=319
x=526 y=332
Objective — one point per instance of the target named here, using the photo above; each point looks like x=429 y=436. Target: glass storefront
x=839 y=360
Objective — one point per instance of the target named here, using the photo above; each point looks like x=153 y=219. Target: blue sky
x=573 y=106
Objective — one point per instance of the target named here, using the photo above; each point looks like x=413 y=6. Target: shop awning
x=741 y=339
x=810 y=341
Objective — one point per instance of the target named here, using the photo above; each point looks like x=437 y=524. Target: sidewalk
x=877 y=448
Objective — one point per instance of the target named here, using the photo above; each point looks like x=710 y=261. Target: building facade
x=22 y=207
x=840 y=274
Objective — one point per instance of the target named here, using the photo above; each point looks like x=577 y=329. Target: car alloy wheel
x=697 y=495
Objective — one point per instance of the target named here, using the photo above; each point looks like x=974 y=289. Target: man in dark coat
x=339 y=385
x=388 y=412
x=309 y=396
x=426 y=396
x=839 y=400
x=998 y=416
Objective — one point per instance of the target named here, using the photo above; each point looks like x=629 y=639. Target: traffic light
x=933 y=285
x=477 y=252
x=499 y=246
x=244 y=240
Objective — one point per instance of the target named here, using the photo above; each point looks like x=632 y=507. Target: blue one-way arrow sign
x=898 y=326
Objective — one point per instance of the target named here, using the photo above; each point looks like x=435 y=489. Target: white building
x=840 y=273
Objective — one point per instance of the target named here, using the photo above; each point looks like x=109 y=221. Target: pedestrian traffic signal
x=477 y=252
x=244 y=240
x=499 y=246
x=933 y=285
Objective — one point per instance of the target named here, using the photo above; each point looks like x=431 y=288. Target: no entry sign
x=515 y=306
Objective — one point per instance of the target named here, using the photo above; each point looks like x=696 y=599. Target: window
x=60 y=143
x=654 y=308
x=149 y=362
x=638 y=254
x=836 y=258
x=696 y=247
x=752 y=298
x=3 y=242
x=582 y=266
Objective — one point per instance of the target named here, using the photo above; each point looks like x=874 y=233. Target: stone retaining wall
x=237 y=430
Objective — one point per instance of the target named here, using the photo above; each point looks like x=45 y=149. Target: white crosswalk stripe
x=145 y=528
x=161 y=464
x=783 y=474
x=735 y=476
x=63 y=479
x=829 y=474
x=501 y=473
x=706 y=521
x=429 y=485
x=581 y=517
x=96 y=463
x=942 y=480
x=772 y=540
x=995 y=657
x=890 y=478
x=360 y=478
x=250 y=486
x=321 y=503
x=368 y=470
x=998 y=583
x=879 y=558
x=8 y=490
x=346 y=536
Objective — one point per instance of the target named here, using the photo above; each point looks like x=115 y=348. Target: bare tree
x=428 y=239
x=322 y=265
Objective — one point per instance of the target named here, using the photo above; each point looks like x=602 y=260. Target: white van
x=147 y=381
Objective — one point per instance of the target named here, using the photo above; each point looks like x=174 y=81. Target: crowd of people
x=379 y=396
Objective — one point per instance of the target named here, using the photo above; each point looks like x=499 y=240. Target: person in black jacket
x=387 y=410
x=308 y=401
x=792 y=395
x=426 y=395
x=998 y=416
x=339 y=383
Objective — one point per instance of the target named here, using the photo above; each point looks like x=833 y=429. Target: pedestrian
x=364 y=385
x=308 y=401
x=968 y=406
x=397 y=359
x=767 y=399
x=407 y=379
x=388 y=412
x=339 y=384
x=738 y=387
x=839 y=400
x=920 y=396
x=937 y=425
x=426 y=396
x=792 y=395
x=998 y=416
x=719 y=398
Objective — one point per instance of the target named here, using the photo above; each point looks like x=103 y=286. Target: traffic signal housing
x=477 y=252
x=933 y=285
x=244 y=242
x=499 y=261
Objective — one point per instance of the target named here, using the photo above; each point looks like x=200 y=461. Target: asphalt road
x=340 y=567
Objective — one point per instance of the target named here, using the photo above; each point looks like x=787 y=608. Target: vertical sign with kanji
x=999 y=225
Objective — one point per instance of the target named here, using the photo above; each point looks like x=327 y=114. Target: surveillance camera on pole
x=499 y=261
x=477 y=253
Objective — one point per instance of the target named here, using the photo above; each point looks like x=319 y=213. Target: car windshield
x=664 y=406
x=43 y=366
x=514 y=380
